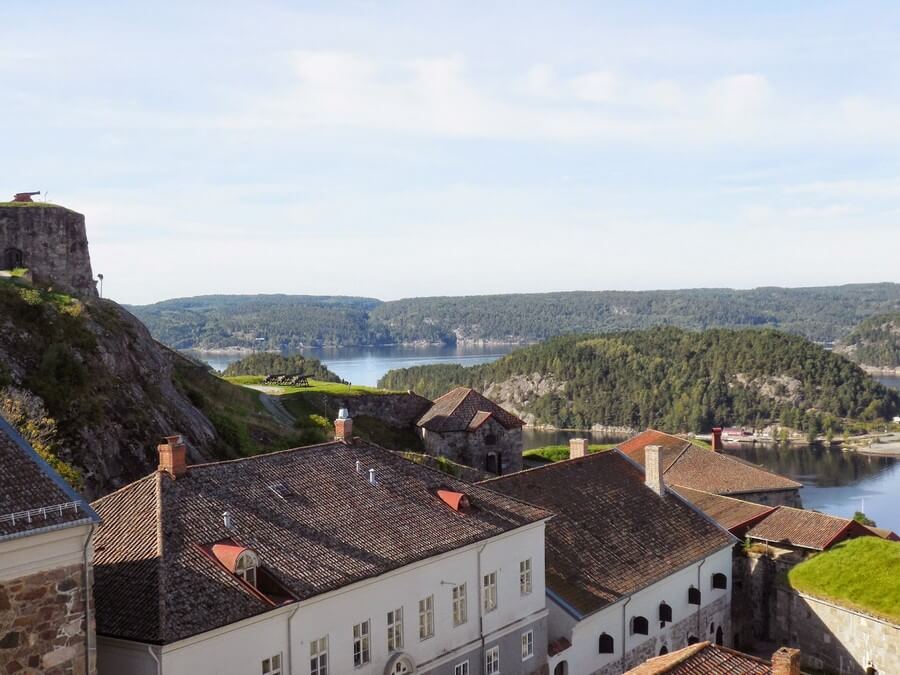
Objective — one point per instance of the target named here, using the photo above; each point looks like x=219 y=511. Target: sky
x=399 y=149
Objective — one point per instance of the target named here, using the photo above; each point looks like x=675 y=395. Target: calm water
x=833 y=481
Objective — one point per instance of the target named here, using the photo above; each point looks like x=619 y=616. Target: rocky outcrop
x=515 y=393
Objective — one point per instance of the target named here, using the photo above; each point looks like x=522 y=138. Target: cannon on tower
x=25 y=196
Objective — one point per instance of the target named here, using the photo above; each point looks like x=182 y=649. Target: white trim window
x=245 y=567
x=461 y=668
x=395 y=630
x=525 y=577
x=318 y=656
x=362 y=652
x=426 y=617
x=492 y=661
x=490 y=592
x=272 y=665
x=527 y=645
x=460 y=610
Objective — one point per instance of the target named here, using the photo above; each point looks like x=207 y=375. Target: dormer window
x=245 y=566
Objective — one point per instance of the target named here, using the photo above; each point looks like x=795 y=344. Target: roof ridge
x=267 y=454
x=160 y=558
x=127 y=486
x=557 y=463
x=759 y=467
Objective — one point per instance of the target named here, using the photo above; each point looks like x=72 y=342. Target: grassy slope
x=315 y=387
x=556 y=453
x=862 y=573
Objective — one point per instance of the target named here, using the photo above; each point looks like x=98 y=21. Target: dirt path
x=276 y=409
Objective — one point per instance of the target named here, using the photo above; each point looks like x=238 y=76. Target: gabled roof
x=806 y=529
x=325 y=527
x=464 y=409
x=732 y=514
x=703 y=658
x=701 y=469
x=33 y=497
x=612 y=535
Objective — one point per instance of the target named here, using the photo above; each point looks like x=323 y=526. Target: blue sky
x=424 y=148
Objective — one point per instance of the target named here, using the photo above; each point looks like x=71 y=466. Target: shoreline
x=223 y=351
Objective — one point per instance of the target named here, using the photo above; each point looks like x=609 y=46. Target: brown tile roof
x=612 y=535
x=805 y=529
x=703 y=658
x=883 y=532
x=33 y=497
x=729 y=512
x=464 y=409
x=316 y=524
x=702 y=469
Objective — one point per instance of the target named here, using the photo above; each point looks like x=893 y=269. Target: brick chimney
x=578 y=447
x=653 y=475
x=172 y=456
x=343 y=427
x=717 y=439
x=786 y=661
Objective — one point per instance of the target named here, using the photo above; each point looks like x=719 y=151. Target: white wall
x=45 y=551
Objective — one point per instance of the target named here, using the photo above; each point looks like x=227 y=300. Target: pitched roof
x=805 y=529
x=729 y=512
x=464 y=409
x=701 y=469
x=33 y=497
x=612 y=535
x=703 y=658
x=315 y=523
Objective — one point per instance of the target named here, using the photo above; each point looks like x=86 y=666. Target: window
x=693 y=639
x=272 y=665
x=492 y=661
x=490 y=439
x=693 y=596
x=318 y=656
x=663 y=650
x=461 y=668
x=719 y=580
x=426 y=617
x=245 y=567
x=460 y=610
x=665 y=612
x=361 y=651
x=525 y=577
x=395 y=629
x=490 y=592
x=527 y=645
x=607 y=645
x=640 y=626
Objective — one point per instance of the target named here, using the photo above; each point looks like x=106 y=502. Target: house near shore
x=468 y=428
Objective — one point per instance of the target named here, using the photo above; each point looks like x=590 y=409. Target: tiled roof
x=703 y=658
x=883 y=532
x=729 y=512
x=612 y=535
x=805 y=529
x=701 y=469
x=33 y=497
x=316 y=524
x=463 y=409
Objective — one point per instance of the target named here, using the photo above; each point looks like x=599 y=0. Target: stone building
x=51 y=242
x=464 y=426
x=46 y=623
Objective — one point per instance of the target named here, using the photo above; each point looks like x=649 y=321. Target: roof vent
x=372 y=476
x=226 y=519
x=358 y=466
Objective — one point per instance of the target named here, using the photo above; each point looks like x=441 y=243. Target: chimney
x=717 y=439
x=172 y=456
x=343 y=427
x=578 y=447
x=653 y=469
x=786 y=661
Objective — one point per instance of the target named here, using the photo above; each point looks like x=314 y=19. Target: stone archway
x=13 y=258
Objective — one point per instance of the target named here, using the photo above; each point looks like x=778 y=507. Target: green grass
x=315 y=387
x=32 y=205
x=556 y=453
x=861 y=573
x=18 y=272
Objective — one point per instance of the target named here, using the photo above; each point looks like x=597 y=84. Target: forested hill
x=292 y=321
x=670 y=379
x=875 y=342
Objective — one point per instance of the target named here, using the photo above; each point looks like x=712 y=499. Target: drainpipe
x=700 y=606
x=158 y=662
x=86 y=588
x=624 y=631
x=481 y=607
x=290 y=651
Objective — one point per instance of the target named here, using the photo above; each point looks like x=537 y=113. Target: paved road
x=276 y=409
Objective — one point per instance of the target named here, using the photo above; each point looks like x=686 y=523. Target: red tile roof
x=703 y=658
x=735 y=515
x=702 y=469
x=612 y=534
x=464 y=409
x=806 y=529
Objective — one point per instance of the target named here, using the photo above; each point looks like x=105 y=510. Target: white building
x=325 y=560
x=633 y=570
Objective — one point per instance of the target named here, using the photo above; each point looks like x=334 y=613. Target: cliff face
x=49 y=240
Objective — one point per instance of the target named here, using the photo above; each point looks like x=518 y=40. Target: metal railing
x=42 y=513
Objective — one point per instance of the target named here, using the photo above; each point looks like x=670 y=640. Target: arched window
x=640 y=626
x=693 y=596
x=719 y=636
x=607 y=644
x=663 y=650
x=245 y=567
x=562 y=668
x=665 y=612
x=12 y=258
x=719 y=580
x=693 y=639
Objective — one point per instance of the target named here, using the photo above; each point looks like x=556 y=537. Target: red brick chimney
x=786 y=661
x=717 y=439
x=343 y=427
x=172 y=456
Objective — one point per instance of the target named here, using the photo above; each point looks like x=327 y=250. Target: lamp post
x=100 y=277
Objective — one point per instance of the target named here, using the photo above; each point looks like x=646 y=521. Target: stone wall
x=42 y=623
x=400 y=411
x=472 y=448
x=773 y=498
x=52 y=243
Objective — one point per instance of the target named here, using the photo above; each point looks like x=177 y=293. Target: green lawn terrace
x=862 y=574
x=315 y=387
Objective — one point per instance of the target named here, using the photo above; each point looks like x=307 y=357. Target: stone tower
x=51 y=242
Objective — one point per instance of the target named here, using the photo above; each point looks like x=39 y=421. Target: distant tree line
x=876 y=341
x=276 y=364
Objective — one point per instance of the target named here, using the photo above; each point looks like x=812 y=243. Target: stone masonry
x=42 y=624
x=481 y=448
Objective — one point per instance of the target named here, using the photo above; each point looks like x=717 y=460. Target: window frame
x=362 y=643
x=489 y=592
x=525 y=577
x=426 y=618
x=527 y=640
x=460 y=598
x=719 y=581
x=246 y=565
x=602 y=644
x=318 y=656
x=395 y=629
x=271 y=668
x=492 y=660
x=461 y=668
x=644 y=622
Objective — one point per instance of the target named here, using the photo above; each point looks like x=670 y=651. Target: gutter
x=700 y=606
x=290 y=651
x=624 y=635
x=481 y=607
x=155 y=658
x=88 y=596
